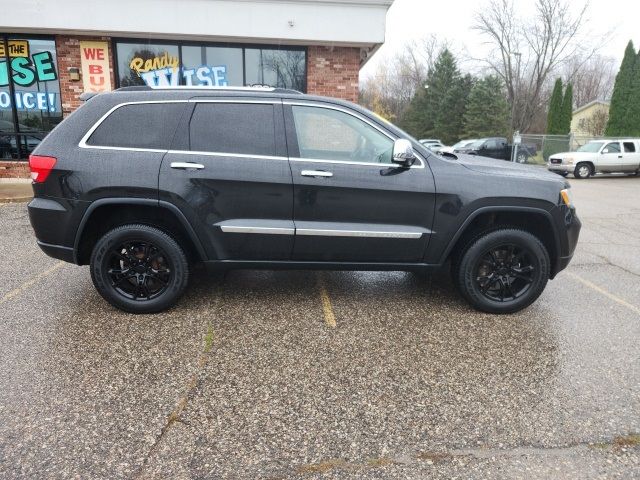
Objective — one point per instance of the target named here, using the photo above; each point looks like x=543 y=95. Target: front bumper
x=560 y=167
x=569 y=226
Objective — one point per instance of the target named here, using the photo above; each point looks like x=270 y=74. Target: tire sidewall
x=175 y=255
x=466 y=273
x=576 y=172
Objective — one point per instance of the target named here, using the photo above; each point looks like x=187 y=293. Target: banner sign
x=17 y=48
x=25 y=100
x=94 y=59
x=164 y=70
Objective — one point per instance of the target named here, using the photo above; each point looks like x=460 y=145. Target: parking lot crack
x=190 y=387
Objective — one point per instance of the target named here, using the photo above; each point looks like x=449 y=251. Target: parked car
x=142 y=183
x=458 y=146
x=428 y=141
x=435 y=147
x=499 y=148
x=599 y=156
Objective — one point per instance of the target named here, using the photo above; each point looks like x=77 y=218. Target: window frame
x=190 y=43
x=292 y=136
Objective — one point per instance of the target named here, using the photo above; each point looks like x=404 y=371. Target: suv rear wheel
x=502 y=271
x=139 y=269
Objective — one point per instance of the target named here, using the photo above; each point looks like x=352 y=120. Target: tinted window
x=326 y=134
x=629 y=147
x=149 y=125
x=233 y=128
x=491 y=144
x=613 y=147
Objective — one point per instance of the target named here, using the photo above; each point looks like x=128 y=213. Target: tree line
x=422 y=87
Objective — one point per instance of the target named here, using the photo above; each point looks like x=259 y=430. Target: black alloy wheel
x=505 y=273
x=139 y=269
x=502 y=271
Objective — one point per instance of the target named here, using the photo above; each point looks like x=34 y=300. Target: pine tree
x=487 y=113
x=567 y=111
x=554 y=117
x=436 y=111
x=632 y=128
x=619 y=122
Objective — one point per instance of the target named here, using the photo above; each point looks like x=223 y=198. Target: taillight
x=40 y=167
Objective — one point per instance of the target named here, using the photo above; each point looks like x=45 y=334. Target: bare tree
x=592 y=78
x=527 y=51
x=596 y=123
x=394 y=83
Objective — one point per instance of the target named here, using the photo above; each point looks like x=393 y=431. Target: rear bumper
x=57 y=251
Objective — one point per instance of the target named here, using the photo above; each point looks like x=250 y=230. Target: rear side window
x=239 y=128
x=144 y=125
x=629 y=147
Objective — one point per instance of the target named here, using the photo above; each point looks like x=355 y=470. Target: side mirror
x=403 y=152
x=606 y=150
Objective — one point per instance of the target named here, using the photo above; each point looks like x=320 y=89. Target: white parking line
x=28 y=283
x=604 y=292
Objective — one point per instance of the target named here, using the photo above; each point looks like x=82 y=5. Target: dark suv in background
x=142 y=183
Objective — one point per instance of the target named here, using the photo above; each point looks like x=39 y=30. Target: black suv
x=142 y=183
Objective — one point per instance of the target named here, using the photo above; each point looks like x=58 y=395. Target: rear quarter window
x=145 y=125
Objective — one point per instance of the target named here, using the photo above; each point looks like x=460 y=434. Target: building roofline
x=591 y=103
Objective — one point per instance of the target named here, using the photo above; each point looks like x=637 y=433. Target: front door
x=229 y=173
x=351 y=203
x=611 y=157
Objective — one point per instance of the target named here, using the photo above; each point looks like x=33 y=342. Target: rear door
x=630 y=156
x=351 y=204
x=229 y=172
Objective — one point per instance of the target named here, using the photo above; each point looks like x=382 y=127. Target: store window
x=172 y=64
x=30 y=104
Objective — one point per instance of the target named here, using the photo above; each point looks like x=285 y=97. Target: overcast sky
x=453 y=19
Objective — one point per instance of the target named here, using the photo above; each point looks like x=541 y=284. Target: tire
x=508 y=263
x=583 y=170
x=139 y=269
x=521 y=157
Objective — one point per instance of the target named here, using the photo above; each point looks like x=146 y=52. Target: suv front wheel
x=139 y=269
x=502 y=271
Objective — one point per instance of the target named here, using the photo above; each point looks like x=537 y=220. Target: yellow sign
x=140 y=65
x=94 y=59
x=17 y=48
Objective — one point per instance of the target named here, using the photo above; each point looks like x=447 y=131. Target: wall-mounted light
x=74 y=74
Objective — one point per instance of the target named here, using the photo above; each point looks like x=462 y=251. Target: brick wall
x=14 y=169
x=333 y=72
x=68 y=50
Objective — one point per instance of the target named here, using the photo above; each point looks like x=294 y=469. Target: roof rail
x=251 y=88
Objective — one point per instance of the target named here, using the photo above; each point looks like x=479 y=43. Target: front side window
x=145 y=125
x=613 y=147
x=236 y=128
x=326 y=134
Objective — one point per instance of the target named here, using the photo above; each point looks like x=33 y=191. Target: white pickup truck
x=599 y=156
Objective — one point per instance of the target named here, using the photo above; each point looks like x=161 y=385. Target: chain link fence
x=536 y=149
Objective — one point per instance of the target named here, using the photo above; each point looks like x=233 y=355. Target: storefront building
x=52 y=52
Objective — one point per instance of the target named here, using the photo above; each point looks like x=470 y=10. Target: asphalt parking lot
x=334 y=375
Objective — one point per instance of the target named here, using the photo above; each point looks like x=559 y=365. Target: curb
x=15 y=199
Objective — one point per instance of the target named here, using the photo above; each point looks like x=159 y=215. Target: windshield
x=475 y=144
x=592 y=147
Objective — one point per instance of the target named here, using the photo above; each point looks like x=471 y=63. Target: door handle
x=184 y=165
x=619 y=156
x=316 y=173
